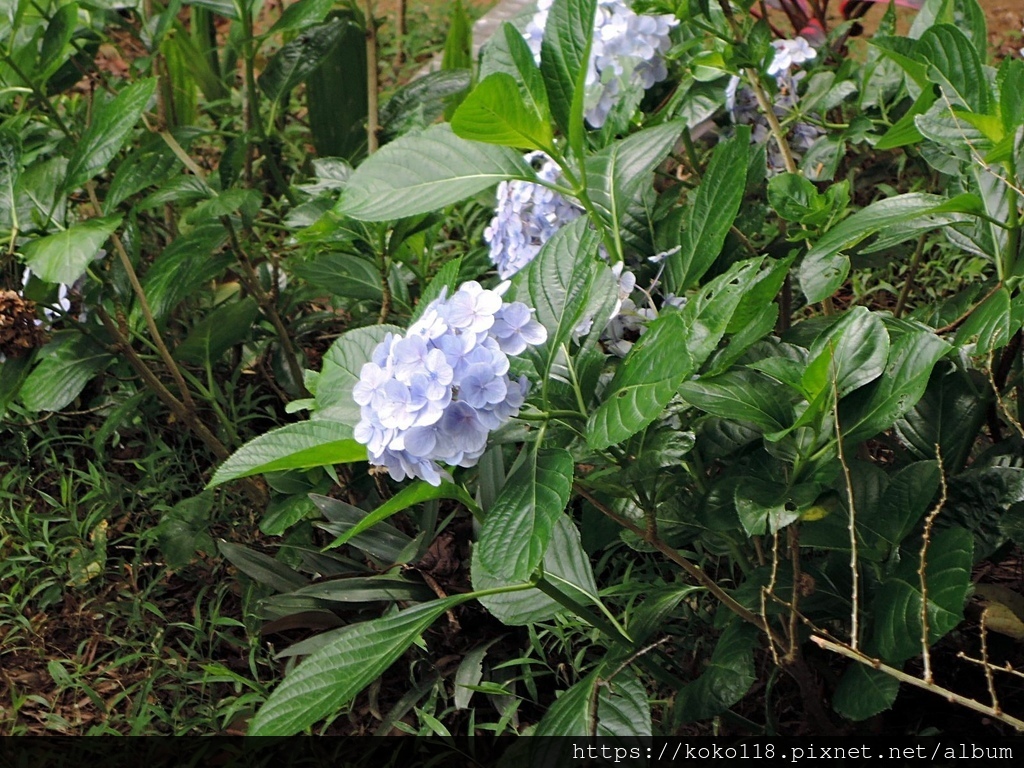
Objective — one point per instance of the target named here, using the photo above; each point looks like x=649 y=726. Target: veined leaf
x=617 y=709
x=824 y=267
x=715 y=207
x=566 y=566
x=564 y=58
x=897 y=604
x=63 y=257
x=110 y=128
x=340 y=372
x=863 y=692
x=519 y=526
x=67 y=365
x=741 y=395
x=299 y=58
x=955 y=65
x=422 y=172
x=409 y=496
x=852 y=353
x=495 y=113
x=912 y=355
x=295 y=446
x=674 y=347
x=333 y=675
x=616 y=173
x=727 y=678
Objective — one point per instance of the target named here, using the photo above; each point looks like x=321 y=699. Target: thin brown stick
x=692 y=569
x=147 y=312
x=989 y=680
x=267 y=305
x=908 y=283
x=794 y=556
x=848 y=480
x=922 y=569
x=960 y=320
x=903 y=677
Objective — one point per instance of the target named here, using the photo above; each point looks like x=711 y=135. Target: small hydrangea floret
x=431 y=397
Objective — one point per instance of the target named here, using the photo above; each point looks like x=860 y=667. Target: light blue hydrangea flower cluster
x=743 y=108
x=432 y=397
x=526 y=216
x=628 y=50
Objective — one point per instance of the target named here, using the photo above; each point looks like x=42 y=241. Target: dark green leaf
x=824 y=267
x=949 y=415
x=419 y=103
x=63 y=257
x=336 y=95
x=409 y=496
x=56 y=39
x=898 y=602
x=742 y=395
x=341 y=274
x=912 y=355
x=426 y=171
x=216 y=333
x=67 y=364
x=110 y=128
x=863 y=692
x=299 y=58
x=295 y=446
x=852 y=353
x=519 y=527
x=302 y=14
x=262 y=568
x=714 y=209
x=727 y=678
x=616 y=709
x=673 y=348
x=183 y=531
x=333 y=675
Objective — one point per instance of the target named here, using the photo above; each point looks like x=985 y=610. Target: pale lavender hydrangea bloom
x=433 y=396
x=627 y=49
x=743 y=108
x=526 y=216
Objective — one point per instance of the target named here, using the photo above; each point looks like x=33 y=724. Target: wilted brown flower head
x=19 y=332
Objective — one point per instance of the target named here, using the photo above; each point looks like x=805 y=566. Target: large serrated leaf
x=108 y=132
x=897 y=604
x=63 y=257
x=674 y=347
x=333 y=675
x=871 y=410
x=519 y=527
x=741 y=395
x=300 y=58
x=616 y=174
x=495 y=113
x=850 y=354
x=295 y=446
x=566 y=565
x=425 y=171
x=67 y=365
x=824 y=267
x=714 y=209
x=863 y=692
x=564 y=58
x=564 y=284
x=727 y=678
x=618 y=708
x=342 y=364
x=955 y=65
